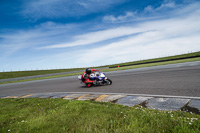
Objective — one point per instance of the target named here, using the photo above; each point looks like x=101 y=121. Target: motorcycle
x=100 y=77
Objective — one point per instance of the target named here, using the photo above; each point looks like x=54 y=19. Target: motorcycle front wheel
x=108 y=81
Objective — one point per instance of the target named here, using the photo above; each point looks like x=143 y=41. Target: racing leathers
x=86 y=78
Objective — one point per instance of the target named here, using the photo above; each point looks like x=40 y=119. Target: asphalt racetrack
x=174 y=80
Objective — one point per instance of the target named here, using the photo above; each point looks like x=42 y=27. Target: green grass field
x=58 y=115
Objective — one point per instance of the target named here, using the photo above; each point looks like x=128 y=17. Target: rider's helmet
x=88 y=71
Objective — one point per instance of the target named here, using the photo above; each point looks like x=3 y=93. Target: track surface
x=176 y=80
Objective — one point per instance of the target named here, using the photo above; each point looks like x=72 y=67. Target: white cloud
x=164 y=37
x=131 y=16
x=156 y=38
x=121 y=18
x=182 y=24
x=166 y=5
x=136 y=49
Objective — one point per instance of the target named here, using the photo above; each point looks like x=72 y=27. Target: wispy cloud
x=164 y=6
x=45 y=34
x=146 y=26
x=165 y=37
x=65 y=8
x=156 y=38
x=98 y=36
x=121 y=18
x=148 y=13
x=40 y=35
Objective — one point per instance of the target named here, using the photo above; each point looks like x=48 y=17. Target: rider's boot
x=88 y=85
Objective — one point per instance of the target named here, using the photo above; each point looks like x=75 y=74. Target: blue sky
x=54 y=34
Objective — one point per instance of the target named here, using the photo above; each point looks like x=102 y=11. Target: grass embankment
x=153 y=64
x=163 y=59
x=58 y=115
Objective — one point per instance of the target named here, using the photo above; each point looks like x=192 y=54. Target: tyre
x=109 y=82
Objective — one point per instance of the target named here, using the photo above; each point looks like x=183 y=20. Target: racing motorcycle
x=100 y=77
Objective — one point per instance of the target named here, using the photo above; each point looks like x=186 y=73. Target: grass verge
x=58 y=115
x=6 y=75
x=49 y=77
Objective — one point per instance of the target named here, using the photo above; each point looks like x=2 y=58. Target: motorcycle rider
x=87 y=75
